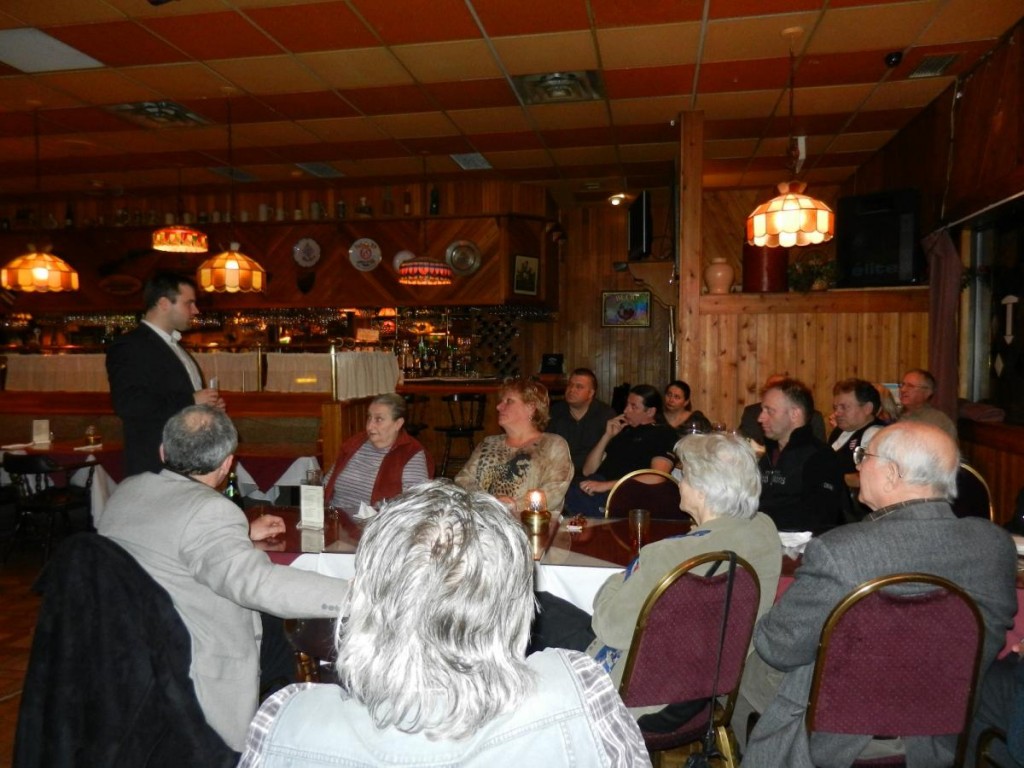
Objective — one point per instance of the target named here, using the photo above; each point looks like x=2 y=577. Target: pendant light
x=792 y=218
x=424 y=270
x=231 y=271
x=38 y=271
x=180 y=238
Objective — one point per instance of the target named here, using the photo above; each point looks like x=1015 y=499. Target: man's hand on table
x=266 y=527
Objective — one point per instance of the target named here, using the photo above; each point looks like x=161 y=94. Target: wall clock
x=306 y=252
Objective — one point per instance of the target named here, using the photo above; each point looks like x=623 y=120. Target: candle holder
x=537 y=518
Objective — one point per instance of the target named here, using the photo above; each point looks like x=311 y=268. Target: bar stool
x=414 y=407
x=466 y=412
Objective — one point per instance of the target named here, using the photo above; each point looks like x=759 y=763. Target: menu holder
x=311 y=508
x=41 y=431
x=312 y=540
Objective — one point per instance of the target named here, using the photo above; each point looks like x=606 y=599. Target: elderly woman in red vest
x=380 y=463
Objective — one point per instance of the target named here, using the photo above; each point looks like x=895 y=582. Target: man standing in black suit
x=151 y=376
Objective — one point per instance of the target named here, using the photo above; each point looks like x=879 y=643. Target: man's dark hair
x=164 y=285
x=588 y=373
x=864 y=391
x=799 y=394
x=651 y=398
x=197 y=439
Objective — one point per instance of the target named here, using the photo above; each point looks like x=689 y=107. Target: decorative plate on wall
x=463 y=257
x=364 y=254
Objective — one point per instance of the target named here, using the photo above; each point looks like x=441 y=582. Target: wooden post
x=691 y=166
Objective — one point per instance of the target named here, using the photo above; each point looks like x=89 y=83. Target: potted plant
x=811 y=271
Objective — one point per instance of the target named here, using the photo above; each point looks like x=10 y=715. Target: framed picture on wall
x=626 y=309
x=526 y=275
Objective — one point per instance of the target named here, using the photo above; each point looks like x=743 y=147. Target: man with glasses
x=916 y=391
x=855 y=405
x=907 y=477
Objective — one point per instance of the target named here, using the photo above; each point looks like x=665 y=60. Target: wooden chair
x=466 y=418
x=675 y=645
x=415 y=405
x=44 y=500
x=878 y=654
x=973 y=498
x=644 y=489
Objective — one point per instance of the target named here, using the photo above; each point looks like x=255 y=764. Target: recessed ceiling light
x=618 y=199
x=30 y=50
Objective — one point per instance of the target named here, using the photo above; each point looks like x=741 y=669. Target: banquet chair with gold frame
x=644 y=489
x=877 y=656
x=675 y=645
x=973 y=497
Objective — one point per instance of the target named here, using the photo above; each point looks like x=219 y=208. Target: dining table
x=264 y=469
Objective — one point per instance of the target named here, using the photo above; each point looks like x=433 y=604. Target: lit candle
x=537 y=501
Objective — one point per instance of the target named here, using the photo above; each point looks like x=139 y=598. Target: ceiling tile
x=83 y=120
x=418 y=21
x=384 y=167
x=525 y=158
x=841 y=68
x=308 y=106
x=455 y=60
x=749 y=75
x=959 y=20
x=118 y=43
x=578 y=137
x=636 y=153
x=535 y=54
x=359 y=68
x=243 y=109
x=861 y=142
x=655 y=46
x=501 y=18
x=489 y=120
x=470 y=94
x=98 y=86
x=758 y=37
x=741 y=128
x=133 y=9
x=24 y=92
x=262 y=134
x=180 y=81
x=268 y=74
x=421 y=124
x=34 y=13
x=585 y=155
x=638 y=134
x=343 y=129
x=729 y=148
x=722 y=9
x=881 y=120
x=199 y=138
x=313 y=27
x=893 y=26
x=506 y=141
x=615 y=13
x=208 y=36
x=573 y=115
x=823 y=101
x=643 y=111
x=438 y=145
x=374 y=148
x=395 y=99
x=729 y=106
x=834 y=175
x=648 y=81
x=907 y=93
x=131 y=141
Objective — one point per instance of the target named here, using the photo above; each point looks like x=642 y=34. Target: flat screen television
x=877 y=240
x=641 y=227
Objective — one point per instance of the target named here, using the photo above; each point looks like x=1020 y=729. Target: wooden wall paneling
x=997 y=451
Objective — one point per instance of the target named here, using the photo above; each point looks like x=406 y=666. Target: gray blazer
x=195 y=543
x=922 y=536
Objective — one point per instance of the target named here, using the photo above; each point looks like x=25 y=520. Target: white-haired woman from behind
x=432 y=658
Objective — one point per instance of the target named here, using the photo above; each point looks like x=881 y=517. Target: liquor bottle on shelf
x=388 y=204
x=407 y=203
x=69 y=217
x=435 y=201
x=364 y=210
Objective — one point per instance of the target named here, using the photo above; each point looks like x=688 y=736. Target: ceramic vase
x=718 y=276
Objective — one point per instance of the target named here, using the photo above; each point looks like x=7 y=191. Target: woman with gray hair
x=432 y=658
x=379 y=463
x=719 y=489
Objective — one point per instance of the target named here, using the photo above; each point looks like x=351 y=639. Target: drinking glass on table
x=639 y=527
x=92 y=435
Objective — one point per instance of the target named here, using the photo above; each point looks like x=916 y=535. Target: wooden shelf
x=859 y=300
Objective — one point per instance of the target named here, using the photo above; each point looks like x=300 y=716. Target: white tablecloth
x=57 y=373
x=293 y=476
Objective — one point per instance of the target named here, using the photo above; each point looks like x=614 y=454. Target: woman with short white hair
x=719 y=489
x=432 y=658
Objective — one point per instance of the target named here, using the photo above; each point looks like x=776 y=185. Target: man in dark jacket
x=801 y=483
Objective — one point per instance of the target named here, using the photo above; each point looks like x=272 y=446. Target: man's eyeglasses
x=859 y=454
x=908 y=385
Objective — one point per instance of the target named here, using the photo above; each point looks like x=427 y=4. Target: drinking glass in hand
x=639 y=527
